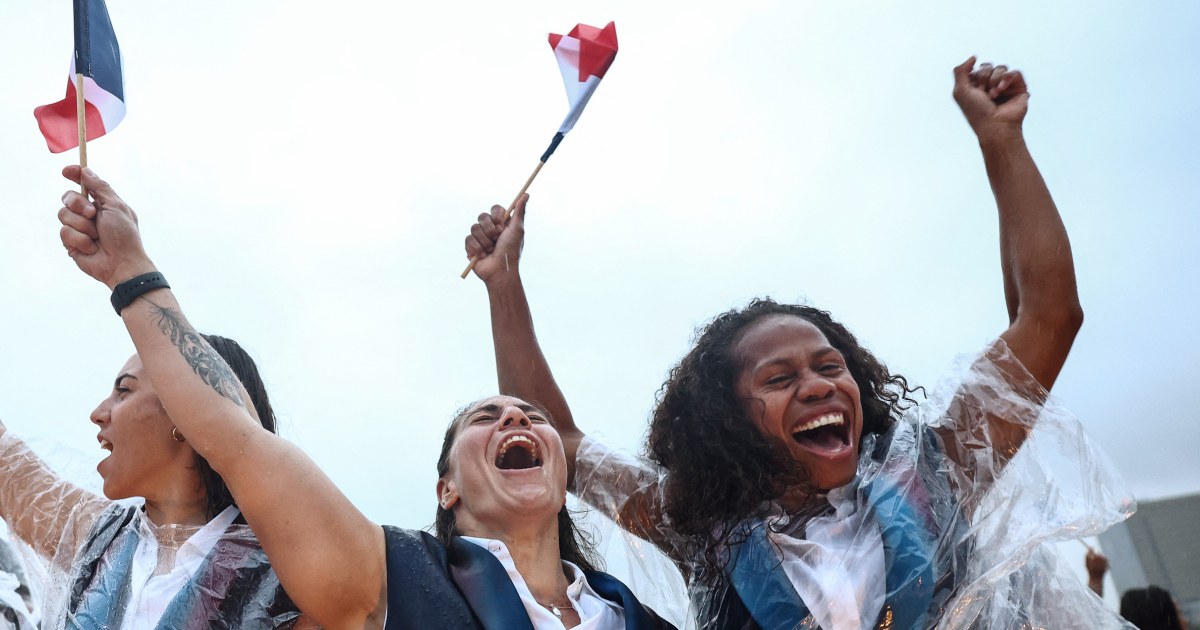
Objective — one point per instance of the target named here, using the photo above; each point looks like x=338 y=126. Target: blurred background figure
x=1149 y=608
x=1097 y=566
x=1152 y=608
x=1158 y=545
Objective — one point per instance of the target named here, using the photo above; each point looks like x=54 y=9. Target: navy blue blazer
x=430 y=586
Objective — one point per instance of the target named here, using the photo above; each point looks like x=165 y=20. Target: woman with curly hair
x=792 y=477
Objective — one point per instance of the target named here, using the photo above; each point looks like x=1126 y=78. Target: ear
x=447 y=493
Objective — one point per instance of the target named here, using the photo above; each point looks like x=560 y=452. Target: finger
x=489 y=226
x=474 y=249
x=499 y=215
x=962 y=73
x=79 y=204
x=486 y=243
x=998 y=75
x=100 y=190
x=71 y=219
x=73 y=172
x=982 y=75
x=74 y=239
x=1012 y=84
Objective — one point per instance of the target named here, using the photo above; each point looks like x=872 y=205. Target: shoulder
x=412 y=552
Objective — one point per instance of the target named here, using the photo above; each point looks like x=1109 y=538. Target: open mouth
x=827 y=433
x=106 y=445
x=518 y=453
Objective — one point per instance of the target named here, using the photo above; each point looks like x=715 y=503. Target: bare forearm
x=201 y=394
x=1035 y=256
x=521 y=368
x=1035 y=252
x=271 y=479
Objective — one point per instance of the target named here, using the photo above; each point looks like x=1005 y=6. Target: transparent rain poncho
x=97 y=554
x=918 y=540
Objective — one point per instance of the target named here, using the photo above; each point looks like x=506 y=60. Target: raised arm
x=1035 y=255
x=521 y=368
x=625 y=489
x=329 y=557
x=47 y=512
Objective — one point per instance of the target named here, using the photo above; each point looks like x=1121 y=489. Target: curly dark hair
x=720 y=474
x=574 y=545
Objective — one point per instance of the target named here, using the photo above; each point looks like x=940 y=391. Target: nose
x=100 y=414
x=514 y=418
x=815 y=388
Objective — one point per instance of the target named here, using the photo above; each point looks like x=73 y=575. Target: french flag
x=584 y=55
x=98 y=59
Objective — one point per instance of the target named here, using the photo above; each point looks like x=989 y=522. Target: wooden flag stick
x=511 y=209
x=81 y=118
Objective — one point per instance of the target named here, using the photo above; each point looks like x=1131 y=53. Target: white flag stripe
x=583 y=93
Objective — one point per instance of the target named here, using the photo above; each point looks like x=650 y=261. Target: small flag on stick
x=95 y=100
x=584 y=56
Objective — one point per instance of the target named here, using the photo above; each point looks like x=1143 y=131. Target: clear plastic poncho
x=107 y=565
x=938 y=529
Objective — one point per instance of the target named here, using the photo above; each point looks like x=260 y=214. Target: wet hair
x=1150 y=608
x=721 y=470
x=574 y=545
x=217 y=493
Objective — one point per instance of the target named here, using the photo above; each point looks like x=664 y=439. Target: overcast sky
x=305 y=174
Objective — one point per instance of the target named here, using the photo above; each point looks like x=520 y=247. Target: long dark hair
x=218 y=495
x=573 y=544
x=720 y=473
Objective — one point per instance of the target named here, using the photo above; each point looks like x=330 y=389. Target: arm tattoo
x=205 y=361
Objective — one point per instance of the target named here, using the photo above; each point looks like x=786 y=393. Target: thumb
x=98 y=188
x=519 y=211
x=962 y=73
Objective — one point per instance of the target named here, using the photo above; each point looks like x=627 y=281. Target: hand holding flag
x=584 y=56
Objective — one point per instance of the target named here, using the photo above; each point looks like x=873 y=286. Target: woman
x=184 y=558
x=791 y=477
x=506 y=555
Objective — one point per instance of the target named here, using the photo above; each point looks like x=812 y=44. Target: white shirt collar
x=595 y=612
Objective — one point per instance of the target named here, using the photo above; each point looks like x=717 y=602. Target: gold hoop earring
x=175 y=435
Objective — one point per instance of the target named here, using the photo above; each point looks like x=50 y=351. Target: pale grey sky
x=305 y=173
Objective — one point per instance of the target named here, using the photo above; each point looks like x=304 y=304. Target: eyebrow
x=820 y=353
x=494 y=408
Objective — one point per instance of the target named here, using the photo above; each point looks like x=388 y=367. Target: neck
x=164 y=513
x=535 y=552
x=178 y=508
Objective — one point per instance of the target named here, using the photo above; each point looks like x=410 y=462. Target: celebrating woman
x=184 y=558
x=506 y=554
x=792 y=477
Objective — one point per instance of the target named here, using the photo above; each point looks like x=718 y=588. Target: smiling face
x=506 y=468
x=145 y=461
x=797 y=391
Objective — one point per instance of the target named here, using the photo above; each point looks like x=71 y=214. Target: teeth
x=825 y=420
x=106 y=445
x=515 y=440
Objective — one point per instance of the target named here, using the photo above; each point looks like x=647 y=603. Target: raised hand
x=496 y=245
x=101 y=234
x=993 y=98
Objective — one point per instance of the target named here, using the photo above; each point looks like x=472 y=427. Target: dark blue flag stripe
x=96 y=52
